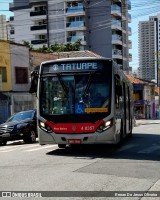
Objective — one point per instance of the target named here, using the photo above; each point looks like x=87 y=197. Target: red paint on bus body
x=74 y=127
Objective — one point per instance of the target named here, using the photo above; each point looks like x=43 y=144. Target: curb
x=139 y=122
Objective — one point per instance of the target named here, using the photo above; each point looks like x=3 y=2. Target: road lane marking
x=8 y=147
x=149 y=149
x=30 y=147
x=41 y=148
x=9 y=150
x=126 y=147
x=17 y=147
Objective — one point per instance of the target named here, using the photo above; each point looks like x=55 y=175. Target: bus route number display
x=67 y=67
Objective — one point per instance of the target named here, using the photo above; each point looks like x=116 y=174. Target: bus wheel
x=130 y=134
x=62 y=146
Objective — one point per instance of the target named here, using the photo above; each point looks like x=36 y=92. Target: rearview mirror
x=34 y=81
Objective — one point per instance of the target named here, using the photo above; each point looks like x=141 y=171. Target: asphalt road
x=133 y=167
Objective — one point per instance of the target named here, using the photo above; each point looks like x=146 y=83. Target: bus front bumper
x=107 y=137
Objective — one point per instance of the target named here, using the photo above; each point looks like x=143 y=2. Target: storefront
x=144 y=109
x=139 y=109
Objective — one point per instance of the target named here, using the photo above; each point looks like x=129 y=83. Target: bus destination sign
x=69 y=67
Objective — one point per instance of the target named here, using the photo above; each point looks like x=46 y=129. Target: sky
x=140 y=11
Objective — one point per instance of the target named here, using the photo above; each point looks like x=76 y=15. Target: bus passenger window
x=118 y=92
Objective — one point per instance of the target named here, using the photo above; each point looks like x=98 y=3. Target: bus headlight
x=45 y=127
x=106 y=125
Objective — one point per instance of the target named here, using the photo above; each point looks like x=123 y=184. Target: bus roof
x=76 y=58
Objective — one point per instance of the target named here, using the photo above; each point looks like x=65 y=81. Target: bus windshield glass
x=76 y=93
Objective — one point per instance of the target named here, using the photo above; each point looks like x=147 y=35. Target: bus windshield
x=75 y=93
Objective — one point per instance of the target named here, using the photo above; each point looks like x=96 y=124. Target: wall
x=0 y=82
x=3 y=28
x=21 y=101
x=4 y=108
x=22 y=32
x=19 y=58
x=57 y=23
x=5 y=62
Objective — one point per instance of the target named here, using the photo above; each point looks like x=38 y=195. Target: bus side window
x=118 y=91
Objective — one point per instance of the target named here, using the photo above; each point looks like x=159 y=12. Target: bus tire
x=130 y=133
x=62 y=146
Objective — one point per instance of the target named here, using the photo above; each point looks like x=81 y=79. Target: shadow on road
x=139 y=147
x=19 y=142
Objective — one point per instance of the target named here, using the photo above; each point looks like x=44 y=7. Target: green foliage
x=27 y=44
x=56 y=47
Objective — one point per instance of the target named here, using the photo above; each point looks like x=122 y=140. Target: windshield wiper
x=90 y=79
x=65 y=88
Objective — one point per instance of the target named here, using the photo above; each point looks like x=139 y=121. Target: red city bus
x=82 y=101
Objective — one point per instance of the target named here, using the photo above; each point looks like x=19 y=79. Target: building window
x=40 y=8
x=21 y=74
x=3 y=72
x=42 y=37
x=42 y=22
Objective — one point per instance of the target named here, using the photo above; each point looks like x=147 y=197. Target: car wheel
x=3 y=143
x=31 y=138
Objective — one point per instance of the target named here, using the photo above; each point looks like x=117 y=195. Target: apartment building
x=149 y=46
x=101 y=26
x=3 y=27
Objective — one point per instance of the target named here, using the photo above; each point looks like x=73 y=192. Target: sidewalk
x=146 y=121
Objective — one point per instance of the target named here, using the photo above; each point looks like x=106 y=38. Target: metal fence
x=20 y=102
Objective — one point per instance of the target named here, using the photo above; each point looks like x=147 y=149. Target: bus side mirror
x=34 y=82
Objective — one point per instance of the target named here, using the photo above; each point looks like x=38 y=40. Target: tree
x=72 y=46
x=56 y=47
x=27 y=44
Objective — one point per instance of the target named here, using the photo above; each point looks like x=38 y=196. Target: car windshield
x=21 y=116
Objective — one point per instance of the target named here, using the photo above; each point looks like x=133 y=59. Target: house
x=36 y=58
x=144 y=98
x=14 y=72
x=157 y=101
